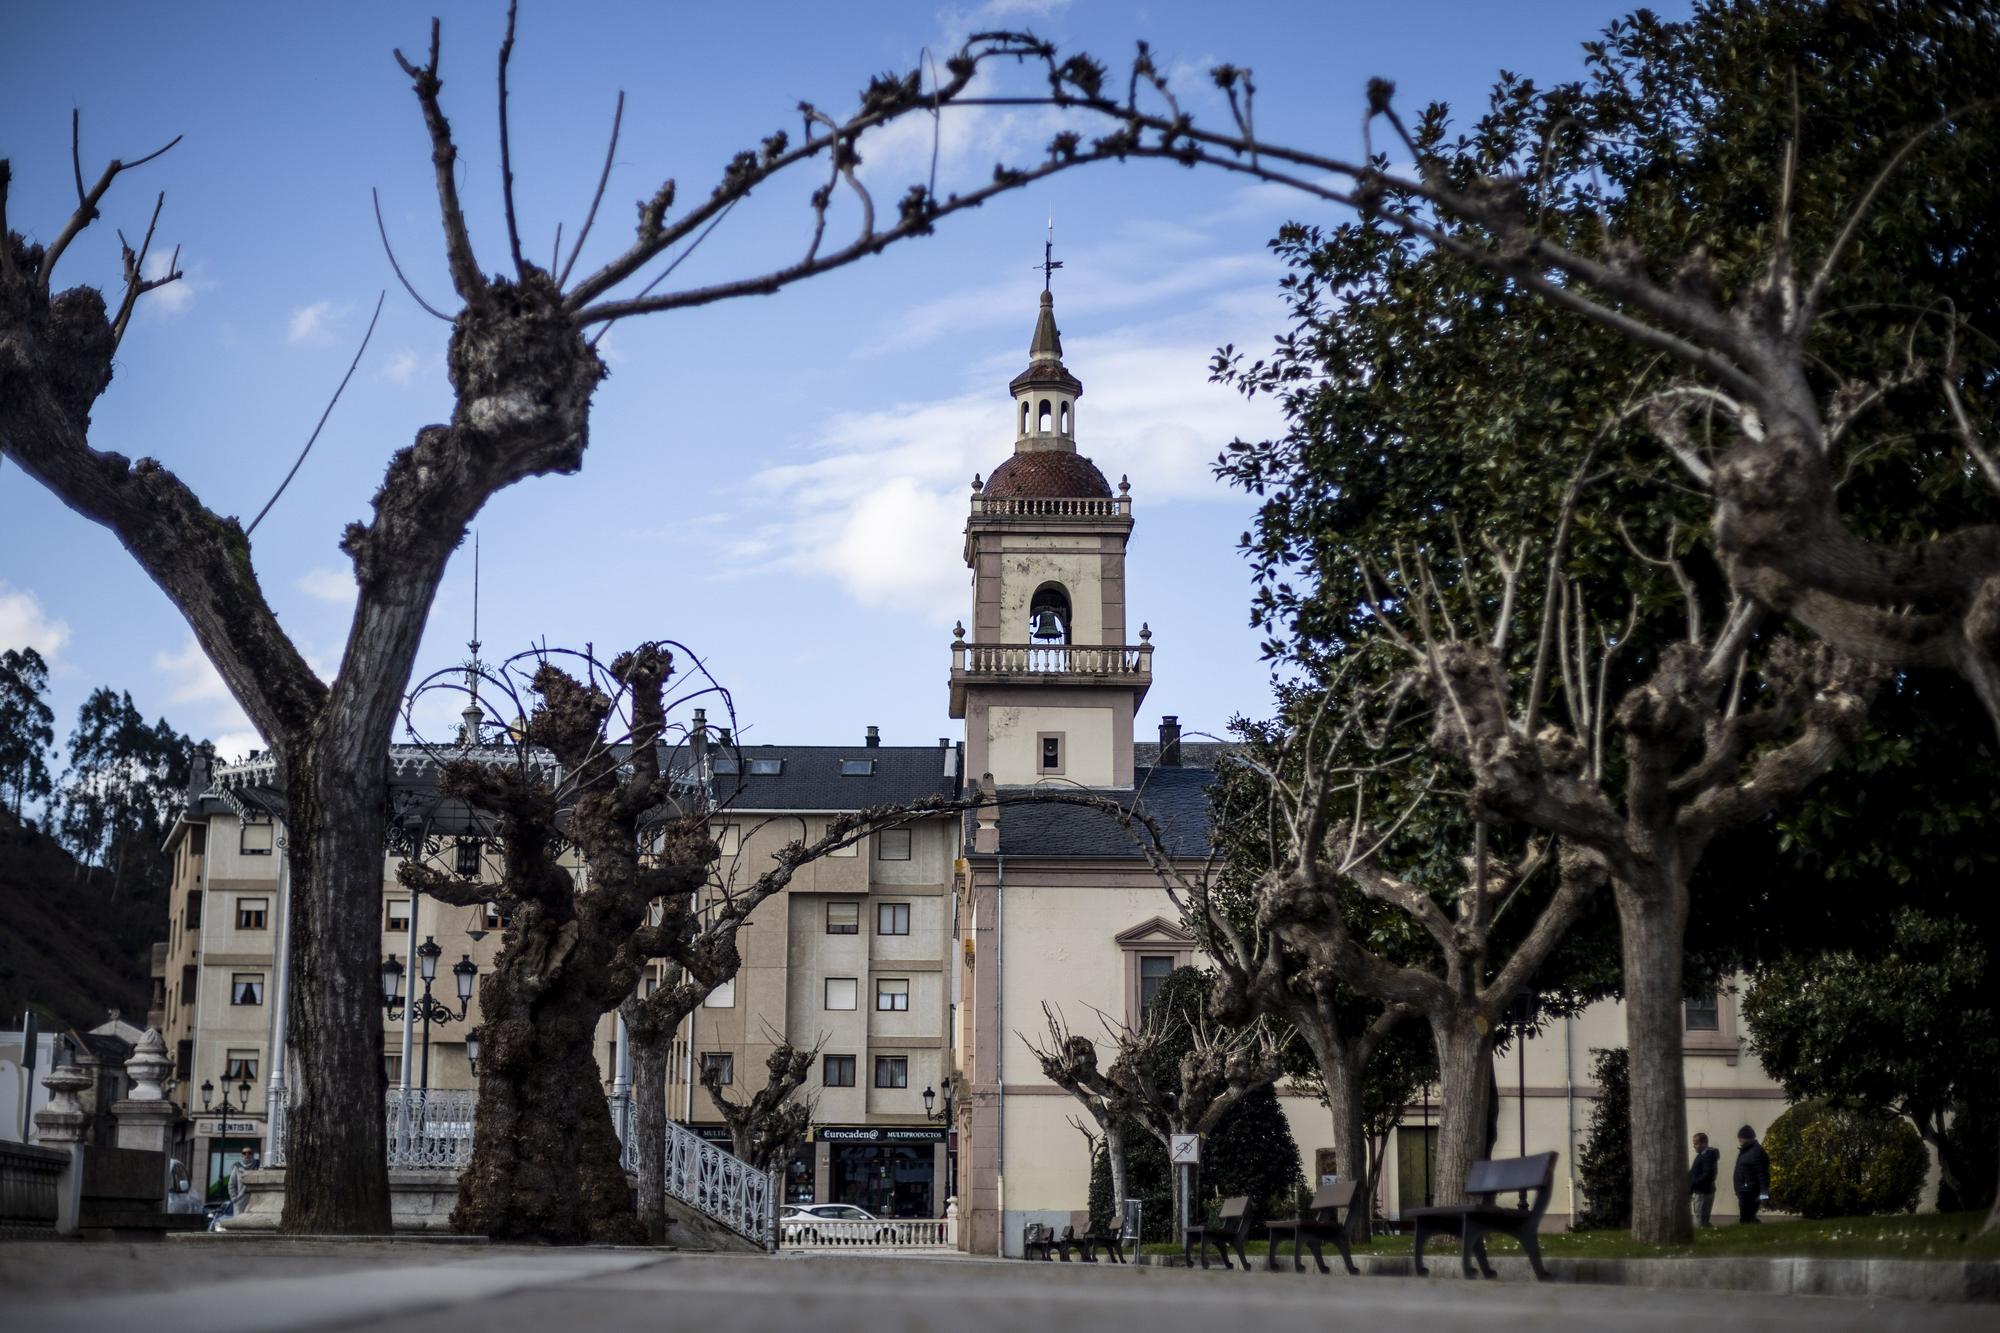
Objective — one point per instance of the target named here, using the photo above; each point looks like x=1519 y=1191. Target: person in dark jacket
x=1701 y=1179
x=1753 y=1174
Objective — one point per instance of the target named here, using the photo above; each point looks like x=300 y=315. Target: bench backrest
x=1332 y=1198
x=1036 y=1232
x=1536 y=1172
x=1235 y=1212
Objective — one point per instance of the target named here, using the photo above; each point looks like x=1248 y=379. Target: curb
x=1927 y=1280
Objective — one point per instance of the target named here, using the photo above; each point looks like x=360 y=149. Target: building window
x=892 y=844
x=766 y=768
x=246 y=988
x=497 y=919
x=892 y=1071
x=1050 y=746
x=722 y=997
x=857 y=768
x=257 y=837
x=468 y=858
x=392 y=1068
x=397 y=918
x=728 y=837
x=240 y=1065
x=841 y=992
x=843 y=918
x=892 y=918
x=184 y=1061
x=837 y=1071
x=720 y=1064
x=251 y=913
x=892 y=995
x=1704 y=1013
x=188 y=982
x=194 y=909
x=198 y=840
x=1154 y=969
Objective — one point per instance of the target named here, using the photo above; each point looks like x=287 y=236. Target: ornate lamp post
x=426 y=1007
x=943 y=1116
x=472 y=1051
x=225 y=1110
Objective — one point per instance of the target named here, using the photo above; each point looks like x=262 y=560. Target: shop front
x=216 y=1146
x=889 y=1170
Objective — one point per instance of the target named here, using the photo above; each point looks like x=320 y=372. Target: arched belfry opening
x=1049 y=615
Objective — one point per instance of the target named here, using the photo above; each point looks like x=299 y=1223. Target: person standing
x=1753 y=1174
x=1701 y=1179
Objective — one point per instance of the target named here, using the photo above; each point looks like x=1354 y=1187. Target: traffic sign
x=1184 y=1149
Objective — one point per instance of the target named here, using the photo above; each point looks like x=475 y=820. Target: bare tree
x=767 y=1127
x=523 y=365
x=1070 y=1061
x=1720 y=731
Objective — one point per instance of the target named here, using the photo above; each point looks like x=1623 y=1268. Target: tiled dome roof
x=1047 y=475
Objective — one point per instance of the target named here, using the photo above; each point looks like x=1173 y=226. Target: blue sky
x=778 y=482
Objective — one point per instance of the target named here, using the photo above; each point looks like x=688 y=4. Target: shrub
x=1829 y=1161
x=1604 y=1166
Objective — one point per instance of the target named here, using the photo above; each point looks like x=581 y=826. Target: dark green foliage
x=1906 y=1026
x=1833 y=1162
x=1604 y=1166
x=124 y=783
x=1252 y=1153
x=1970 y=1140
x=27 y=729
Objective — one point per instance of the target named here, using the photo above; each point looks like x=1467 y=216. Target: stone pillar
x=146 y=1119
x=63 y=1125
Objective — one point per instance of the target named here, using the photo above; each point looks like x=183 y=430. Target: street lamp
x=472 y=1050
x=943 y=1116
x=242 y=1106
x=425 y=1006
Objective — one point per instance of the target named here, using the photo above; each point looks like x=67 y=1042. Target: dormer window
x=857 y=768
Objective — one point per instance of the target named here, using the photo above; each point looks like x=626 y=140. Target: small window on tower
x=1050 y=744
x=1043 y=416
x=1064 y=428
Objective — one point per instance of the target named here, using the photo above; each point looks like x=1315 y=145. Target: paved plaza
x=235 y=1287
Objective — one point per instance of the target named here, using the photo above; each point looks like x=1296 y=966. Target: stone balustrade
x=1051 y=659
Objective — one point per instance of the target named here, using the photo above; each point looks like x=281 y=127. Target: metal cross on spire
x=1049 y=263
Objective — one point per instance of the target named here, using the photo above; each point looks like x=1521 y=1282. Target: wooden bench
x=1070 y=1240
x=1232 y=1227
x=1115 y=1240
x=1329 y=1218
x=1038 y=1241
x=1472 y=1221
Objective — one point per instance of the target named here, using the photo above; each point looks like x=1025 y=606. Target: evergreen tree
x=27 y=730
x=1605 y=1164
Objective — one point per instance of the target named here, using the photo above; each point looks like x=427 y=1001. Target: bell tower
x=1047 y=682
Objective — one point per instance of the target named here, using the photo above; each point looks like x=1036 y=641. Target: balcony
x=1125 y=666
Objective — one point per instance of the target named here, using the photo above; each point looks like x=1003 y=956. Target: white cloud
x=880 y=505
x=314 y=323
x=335 y=586
x=1014 y=9
x=407 y=365
x=194 y=686
x=24 y=624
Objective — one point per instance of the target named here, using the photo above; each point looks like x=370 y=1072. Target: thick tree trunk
x=336 y=1163
x=1465 y=1078
x=544 y=1152
x=1652 y=931
x=649 y=1118
x=1114 y=1155
x=1341 y=1075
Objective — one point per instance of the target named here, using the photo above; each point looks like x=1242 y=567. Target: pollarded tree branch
x=424 y=81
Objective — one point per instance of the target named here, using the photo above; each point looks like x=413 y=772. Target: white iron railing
x=901 y=1233
x=433 y=1131
x=430 y=1130
x=1056 y=659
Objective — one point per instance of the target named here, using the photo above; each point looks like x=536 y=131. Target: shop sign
x=878 y=1134
x=219 y=1128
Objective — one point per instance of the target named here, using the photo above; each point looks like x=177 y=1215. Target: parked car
x=795 y=1225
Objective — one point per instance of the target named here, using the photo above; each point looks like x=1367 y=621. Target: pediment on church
x=1157 y=931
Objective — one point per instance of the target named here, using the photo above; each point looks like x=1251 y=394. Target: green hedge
x=1828 y=1161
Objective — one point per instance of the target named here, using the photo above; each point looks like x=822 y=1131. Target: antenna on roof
x=473 y=716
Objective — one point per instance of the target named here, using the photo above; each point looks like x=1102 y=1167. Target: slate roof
x=1194 y=754
x=811 y=778
x=1177 y=798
